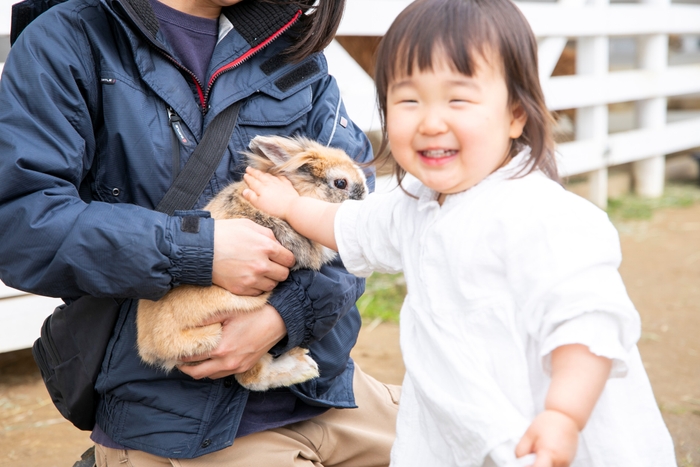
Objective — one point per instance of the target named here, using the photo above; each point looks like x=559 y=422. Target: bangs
x=459 y=33
x=424 y=33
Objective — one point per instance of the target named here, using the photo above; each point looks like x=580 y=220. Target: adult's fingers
x=277 y=253
x=259 y=229
x=261 y=286
x=201 y=370
x=283 y=257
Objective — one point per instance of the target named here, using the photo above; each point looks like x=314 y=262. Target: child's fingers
x=526 y=445
x=526 y=461
x=249 y=178
x=544 y=459
x=253 y=178
x=256 y=179
x=262 y=178
x=256 y=183
x=250 y=195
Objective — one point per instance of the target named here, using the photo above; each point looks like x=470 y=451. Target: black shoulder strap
x=199 y=168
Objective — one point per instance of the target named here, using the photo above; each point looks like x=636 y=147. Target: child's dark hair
x=459 y=29
x=316 y=28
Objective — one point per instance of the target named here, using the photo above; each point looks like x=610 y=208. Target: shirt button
x=228 y=382
x=206 y=443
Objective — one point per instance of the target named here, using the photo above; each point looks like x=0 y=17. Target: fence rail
x=592 y=24
x=547 y=19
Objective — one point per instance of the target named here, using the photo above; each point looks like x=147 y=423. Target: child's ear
x=518 y=121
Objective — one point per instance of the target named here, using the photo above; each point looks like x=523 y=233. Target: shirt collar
x=518 y=165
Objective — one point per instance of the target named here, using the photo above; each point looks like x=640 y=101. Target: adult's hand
x=245 y=338
x=248 y=260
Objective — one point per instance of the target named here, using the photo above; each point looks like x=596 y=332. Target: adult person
x=101 y=104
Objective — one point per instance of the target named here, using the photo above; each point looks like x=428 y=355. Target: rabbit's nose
x=358 y=192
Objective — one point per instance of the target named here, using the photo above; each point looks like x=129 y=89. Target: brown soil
x=661 y=269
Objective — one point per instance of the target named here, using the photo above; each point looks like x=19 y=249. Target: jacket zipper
x=245 y=57
x=204 y=95
x=175 y=122
x=178 y=137
x=140 y=27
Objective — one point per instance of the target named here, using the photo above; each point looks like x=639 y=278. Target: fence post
x=651 y=113
x=592 y=58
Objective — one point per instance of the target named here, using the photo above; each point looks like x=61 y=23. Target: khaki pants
x=359 y=437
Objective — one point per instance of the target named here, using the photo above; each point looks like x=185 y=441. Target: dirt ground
x=661 y=269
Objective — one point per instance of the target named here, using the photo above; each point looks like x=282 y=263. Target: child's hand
x=553 y=436
x=268 y=193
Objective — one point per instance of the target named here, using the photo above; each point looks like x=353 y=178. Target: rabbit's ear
x=277 y=149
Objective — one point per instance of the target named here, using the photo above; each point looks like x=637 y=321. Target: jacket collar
x=255 y=21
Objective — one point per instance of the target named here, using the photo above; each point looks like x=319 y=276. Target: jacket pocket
x=265 y=114
x=134 y=143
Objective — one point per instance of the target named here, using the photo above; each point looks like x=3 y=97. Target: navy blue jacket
x=89 y=100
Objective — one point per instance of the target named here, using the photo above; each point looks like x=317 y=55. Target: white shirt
x=498 y=277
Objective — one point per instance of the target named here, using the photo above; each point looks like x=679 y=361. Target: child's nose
x=432 y=122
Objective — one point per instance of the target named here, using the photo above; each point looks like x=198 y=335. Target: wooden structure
x=591 y=24
x=590 y=91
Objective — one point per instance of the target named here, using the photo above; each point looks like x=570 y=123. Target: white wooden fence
x=591 y=23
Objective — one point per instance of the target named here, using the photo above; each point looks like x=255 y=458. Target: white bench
x=5 y=10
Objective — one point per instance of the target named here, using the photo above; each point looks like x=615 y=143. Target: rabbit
x=169 y=329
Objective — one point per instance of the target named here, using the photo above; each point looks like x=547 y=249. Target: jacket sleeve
x=52 y=242
x=312 y=302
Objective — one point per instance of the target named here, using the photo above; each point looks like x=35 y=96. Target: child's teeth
x=436 y=153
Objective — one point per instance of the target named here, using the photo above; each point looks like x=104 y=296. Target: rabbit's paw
x=295 y=366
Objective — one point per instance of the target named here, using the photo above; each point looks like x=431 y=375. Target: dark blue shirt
x=191 y=38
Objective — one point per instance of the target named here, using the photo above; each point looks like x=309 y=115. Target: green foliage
x=383 y=297
x=633 y=207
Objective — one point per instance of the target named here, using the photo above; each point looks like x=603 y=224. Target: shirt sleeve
x=312 y=302
x=563 y=268
x=366 y=232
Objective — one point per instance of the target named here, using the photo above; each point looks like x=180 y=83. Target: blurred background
x=622 y=79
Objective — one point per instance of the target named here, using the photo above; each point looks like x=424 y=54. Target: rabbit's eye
x=340 y=183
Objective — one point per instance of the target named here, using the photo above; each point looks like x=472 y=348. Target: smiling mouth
x=438 y=153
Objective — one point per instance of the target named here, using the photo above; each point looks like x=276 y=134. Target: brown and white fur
x=170 y=329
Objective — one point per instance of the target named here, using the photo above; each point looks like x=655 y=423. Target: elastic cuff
x=294 y=306
x=597 y=330
x=192 y=255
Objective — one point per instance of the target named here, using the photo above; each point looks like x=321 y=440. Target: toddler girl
x=517 y=333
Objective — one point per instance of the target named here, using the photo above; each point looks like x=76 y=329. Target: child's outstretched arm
x=312 y=218
x=578 y=379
